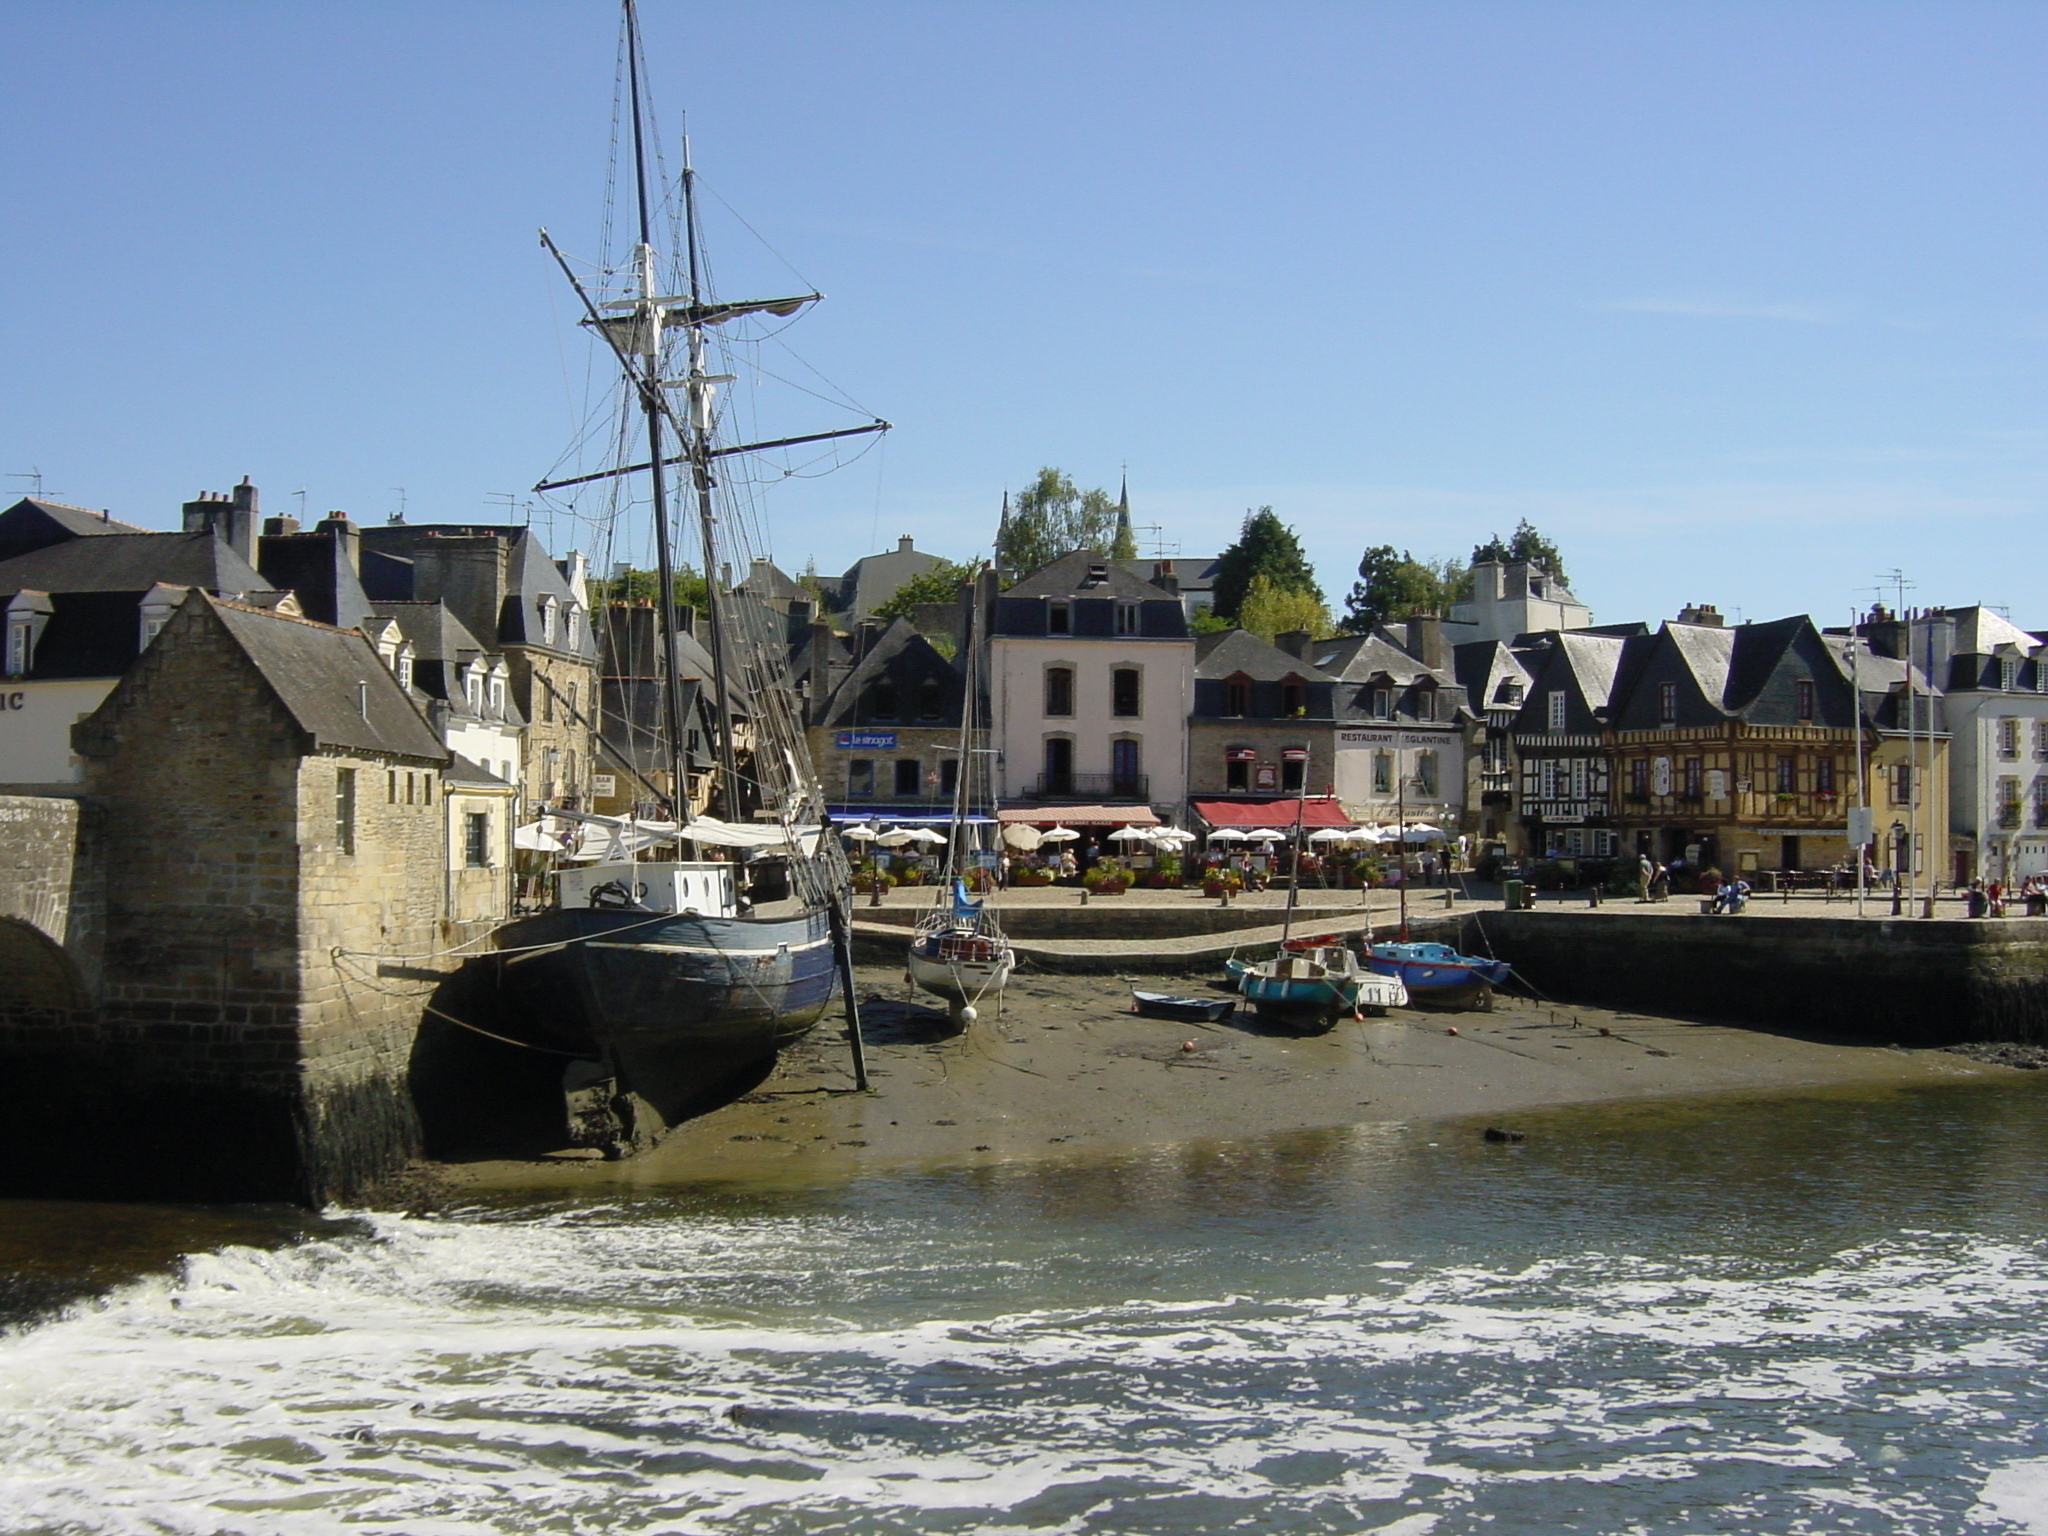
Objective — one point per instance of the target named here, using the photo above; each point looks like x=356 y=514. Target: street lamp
x=1898 y=866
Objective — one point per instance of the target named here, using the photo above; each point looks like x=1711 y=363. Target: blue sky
x=1739 y=303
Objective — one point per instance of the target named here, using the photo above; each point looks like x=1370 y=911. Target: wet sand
x=1064 y=1067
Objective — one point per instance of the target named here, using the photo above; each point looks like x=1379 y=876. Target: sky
x=1738 y=303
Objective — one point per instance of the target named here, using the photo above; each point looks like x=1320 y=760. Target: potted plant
x=1221 y=881
x=1108 y=877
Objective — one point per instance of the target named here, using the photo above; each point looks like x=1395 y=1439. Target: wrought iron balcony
x=2008 y=816
x=1090 y=786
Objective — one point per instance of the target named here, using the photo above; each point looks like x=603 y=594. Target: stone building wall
x=542 y=683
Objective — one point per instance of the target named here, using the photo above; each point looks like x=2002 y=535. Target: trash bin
x=1517 y=893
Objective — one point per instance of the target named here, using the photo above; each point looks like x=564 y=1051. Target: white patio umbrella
x=1058 y=835
x=1227 y=835
x=924 y=835
x=1174 y=835
x=1263 y=835
x=1021 y=837
x=1131 y=835
x=1331 y=835
x=860 y=832
x=1421 y=832
x=1366 y=837
x=896 y=837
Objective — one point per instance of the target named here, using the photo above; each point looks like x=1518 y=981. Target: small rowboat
x=1189 y=1010
x=1307 y=990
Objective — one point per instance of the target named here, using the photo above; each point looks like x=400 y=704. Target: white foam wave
x=455 y=1377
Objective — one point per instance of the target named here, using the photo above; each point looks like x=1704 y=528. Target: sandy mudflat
x=1065 y=1067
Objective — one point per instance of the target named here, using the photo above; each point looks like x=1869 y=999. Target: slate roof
x=1360 y=658
x=905 y=658
x=316 y=672
x=132 y=562
x=435 y=633
x=463 y=771
x=1070 y=576
x=33 y=523
x=1239 y=651
x=390 y=553
x=1482 y=666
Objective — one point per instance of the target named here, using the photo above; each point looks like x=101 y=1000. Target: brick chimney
x=1426 y=640
x=1702 y=613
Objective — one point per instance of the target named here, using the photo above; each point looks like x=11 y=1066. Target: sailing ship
x=959 y=951
x=669 y=983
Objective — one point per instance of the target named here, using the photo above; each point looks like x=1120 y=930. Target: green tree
x=1528 y=545
x=1207 y=621
x=1053 y=517
x=1265 y=547
x=1391 y=585
x=632 y=585
x=1270 y=609
x=940 y=584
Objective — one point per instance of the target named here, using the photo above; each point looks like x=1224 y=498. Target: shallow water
x=1816 y=1314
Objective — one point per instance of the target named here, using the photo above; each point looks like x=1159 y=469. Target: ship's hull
x=678 y=1008
x=1435 y=974
x=961 y=966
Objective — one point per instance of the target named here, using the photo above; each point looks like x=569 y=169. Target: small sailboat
x=1311 y=983
x=959 y=951
x=1438 y=975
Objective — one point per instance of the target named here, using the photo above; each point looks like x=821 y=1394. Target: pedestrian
x=1003 y=870
x=1070 y=867
x=1646 y=871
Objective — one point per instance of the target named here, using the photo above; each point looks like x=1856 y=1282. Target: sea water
x=1817 y=1313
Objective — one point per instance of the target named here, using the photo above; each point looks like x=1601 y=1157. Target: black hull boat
x=671 y=1013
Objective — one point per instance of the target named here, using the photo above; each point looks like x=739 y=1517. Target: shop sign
x=870 y=741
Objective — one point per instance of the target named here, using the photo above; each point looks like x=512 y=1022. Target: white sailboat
x=959 y=951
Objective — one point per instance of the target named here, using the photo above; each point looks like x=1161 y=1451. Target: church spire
x=1126 y=545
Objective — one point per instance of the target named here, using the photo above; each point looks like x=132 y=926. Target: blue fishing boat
x=1437 y=974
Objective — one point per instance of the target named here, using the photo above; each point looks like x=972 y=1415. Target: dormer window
x=1098 y=574
x=2008 y=673
x=882 y=700
x=1059 y=619
x=1509 y=692
x=1667 y=703
x=547 y=621
x=1237 y=695
x=27 y=613
x=1425 y=703
x=1804 y=689
x=1126 y=618
x=1383 y=703
x=497 y=694
x=1557 y=705
x=156 y=610
x=473 y=690
x=404 y=668
x=1293 y=696
x=930 y=700
x=572 y=626
x=18 y=646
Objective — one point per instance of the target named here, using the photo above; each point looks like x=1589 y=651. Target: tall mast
x=647 y=379
x=696 y=427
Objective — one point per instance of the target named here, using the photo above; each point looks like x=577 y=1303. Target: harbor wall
x=1901 y=981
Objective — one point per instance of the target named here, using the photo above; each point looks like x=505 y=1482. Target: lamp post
x=1898 y=859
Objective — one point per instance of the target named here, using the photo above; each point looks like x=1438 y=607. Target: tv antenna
x=35 y=475
x=1161 y=549
x=301 y=494
x=508 y=500
x=399 y=515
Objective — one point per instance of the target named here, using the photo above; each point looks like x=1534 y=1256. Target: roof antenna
x=301 y=494
x=37 y=476
x=510 y=500
x=399 y=515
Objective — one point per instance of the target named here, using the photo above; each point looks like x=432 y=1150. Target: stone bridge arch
x=36 y=975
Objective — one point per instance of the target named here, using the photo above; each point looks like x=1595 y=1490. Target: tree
x=1265 y=547
x=1527 y=546
x=1269 y=610
x=1393 y=584
x=631 y=585
x=1053 y=517
x=940 y=584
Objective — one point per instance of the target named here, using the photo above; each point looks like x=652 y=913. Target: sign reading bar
x=873 y=741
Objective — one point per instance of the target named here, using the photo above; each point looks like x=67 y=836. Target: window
x=1059 y=619
x=949 y=776
x=575 y=700
x=860 y=778
x=1695 y=779
x=1126 y=618
x=882 y=700
x=1425 y=774
x=345 y=810
x=1383 y=773
x=17 y=647
x=2008 y=802
x=1383 y=703
x=547 y=621
x=931 y=700
x=1556 y=703
x=1425 y=703
x=1639 y=777
x=1824 y=776
x=476 y=840
x=1123 y=692
x=1237 y=696
x=1237 y=767
x=410 y=791
x=2041 y=802
x=1667 y=703
x=1123 y=766
x=426 y=789
x=1059 y=765
x=2008 y=673
x=1788 y=775
x=405 y=670
x=498 y=696
x=547 y=698
x=909 y=775
x=1059 y=690
x=1293 y=697
x=1293 y=768
x=572 y=625
x=2041 y=739
x=1902 y=783
x=1804 y=689
x=2008 y=737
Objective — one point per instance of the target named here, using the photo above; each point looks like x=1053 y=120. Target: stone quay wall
x=1902 y=981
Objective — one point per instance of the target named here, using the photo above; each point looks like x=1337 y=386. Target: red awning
x=1078 y=816
x=1316 y=811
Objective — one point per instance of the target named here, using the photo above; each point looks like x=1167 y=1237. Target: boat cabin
x=704 y=890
